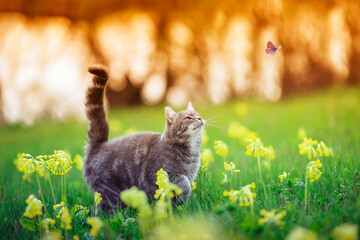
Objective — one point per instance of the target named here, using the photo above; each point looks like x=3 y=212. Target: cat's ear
x=170 y=114
x=190 y=107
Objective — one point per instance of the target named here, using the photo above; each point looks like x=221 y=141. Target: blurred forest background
x=170 y=51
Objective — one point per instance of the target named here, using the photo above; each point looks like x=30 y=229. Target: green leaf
x=30 y=224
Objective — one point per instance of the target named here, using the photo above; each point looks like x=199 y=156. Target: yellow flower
x=56 y=206
x=268 y=153
x=225 y=180
x=137 y=199
x=205 y=138
x=65 y=218
x=193 y=185
x=96 y=225
x=312 y=170
x=79 y=162
x=307 y=147
x=78 y=207
x=324 y=150
x=166 y=188
x=19 y=163
x=52 y=235
x=221 y=148
x=237 y=130
x=33 y=208
x=254 y=146
x=300 y=233
x=301 y=133
x=283 y=176
x=41 y=165
x=76 y=237
x=59 y=163
x=206 y=158
x=186 y=229
x=28 y=163
x=244 y=196
x=346 y=231
x=231 y=167
x=241 y=109
x=272 y=217
x=26 y=177
x=46 y=222
x=161 y=210
x=97 y=198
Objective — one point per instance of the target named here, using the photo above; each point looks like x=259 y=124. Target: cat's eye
x=188 y=117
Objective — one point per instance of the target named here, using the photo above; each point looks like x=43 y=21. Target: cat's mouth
x=199 y=124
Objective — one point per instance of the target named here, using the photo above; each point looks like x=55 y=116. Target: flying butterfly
x=271 y=48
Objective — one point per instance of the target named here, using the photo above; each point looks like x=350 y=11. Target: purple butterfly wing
x=270 y=51
x=270 y=45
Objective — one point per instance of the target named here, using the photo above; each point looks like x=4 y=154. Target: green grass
x=332 y=116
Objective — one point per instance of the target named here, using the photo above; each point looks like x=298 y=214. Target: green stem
x=261 y=179
x=252 y=205
x=62 y=187
x=306 y=193
x=52 y=189
x=65 y=196
x=41 y=194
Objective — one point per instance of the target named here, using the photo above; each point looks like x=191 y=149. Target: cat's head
x=183 y=126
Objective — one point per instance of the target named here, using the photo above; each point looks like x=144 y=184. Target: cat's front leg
x=183 y=183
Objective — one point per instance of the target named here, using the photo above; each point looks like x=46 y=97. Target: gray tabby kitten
x=116 y=165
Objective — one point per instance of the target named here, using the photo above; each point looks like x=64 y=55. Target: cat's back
x=123 y=152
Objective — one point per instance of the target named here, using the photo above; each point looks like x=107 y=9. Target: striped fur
x=98 y=131
x=115 y=165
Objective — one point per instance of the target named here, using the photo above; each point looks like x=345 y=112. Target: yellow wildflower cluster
x=65 y=218
x=254 y=147
x=136 y=199
x=268 y=153
x=300 y=233
x=272 y=217
x=244 y=196
x=97 y=198
x=161 y=210
x=60 y=205
x=312 y=170
x=186 y=229
x=166 y=188
x=237 y=130
x=308 y=147
x=205 y=138
x=27 y=163
x=313 y=149
x=33 y=208
x=346 y=231
x=193 y=185
x=221 y=148
x=96 y=225
x=79 y=162
x=206 y=158
x=59 y=163
x=231 y=167
x=46 y=223
x=324 y=150
x=41 y=165
x=283 y=176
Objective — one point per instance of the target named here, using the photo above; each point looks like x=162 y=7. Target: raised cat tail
x=98 y=128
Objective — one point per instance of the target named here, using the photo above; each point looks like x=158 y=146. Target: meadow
x=329 y=210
